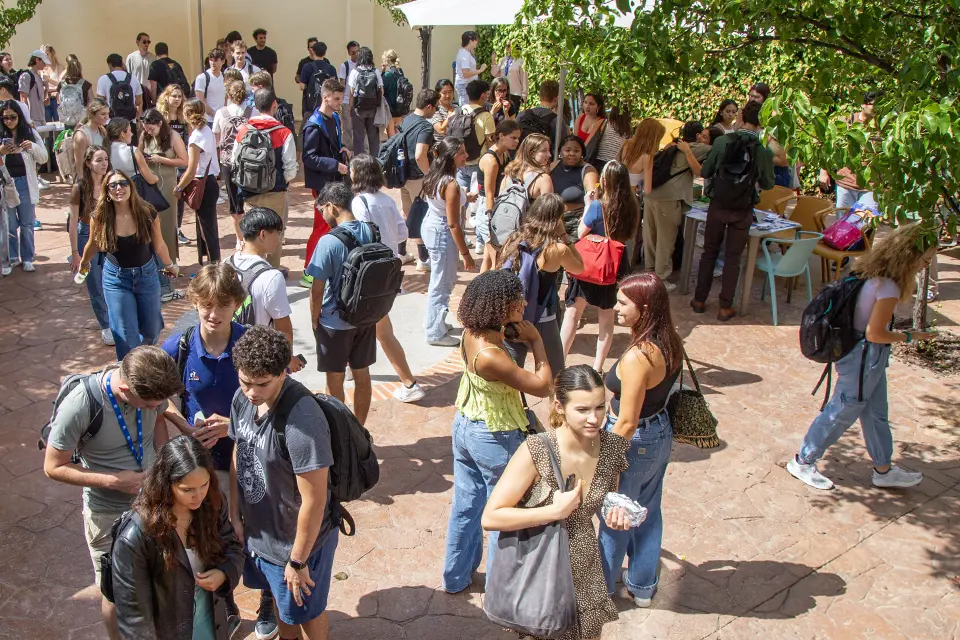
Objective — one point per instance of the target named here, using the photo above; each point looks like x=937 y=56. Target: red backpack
x=601 y=257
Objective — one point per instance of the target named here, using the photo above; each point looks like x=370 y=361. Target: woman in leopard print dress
x=528 y=496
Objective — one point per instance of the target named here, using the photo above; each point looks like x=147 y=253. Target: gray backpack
x=256 y=168
x=508 y=210
x=530 y=584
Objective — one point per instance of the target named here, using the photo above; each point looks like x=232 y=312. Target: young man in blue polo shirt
x=339 y=344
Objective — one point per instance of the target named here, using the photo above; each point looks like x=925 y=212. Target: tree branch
x=754 y=40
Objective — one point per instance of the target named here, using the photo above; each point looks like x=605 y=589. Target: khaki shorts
x=97 y=529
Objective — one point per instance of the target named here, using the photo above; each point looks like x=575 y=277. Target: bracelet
x=909 y=337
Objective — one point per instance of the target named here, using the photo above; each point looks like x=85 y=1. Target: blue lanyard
x=136 y=451
x=506 y=67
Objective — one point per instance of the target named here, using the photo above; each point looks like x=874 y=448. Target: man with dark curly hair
x=290 y=550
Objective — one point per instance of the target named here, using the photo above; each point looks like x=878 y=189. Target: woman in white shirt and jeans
x=203 y=165
x=889 y=271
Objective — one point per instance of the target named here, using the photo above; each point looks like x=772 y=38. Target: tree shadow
x=408 y=469
x=714 y=375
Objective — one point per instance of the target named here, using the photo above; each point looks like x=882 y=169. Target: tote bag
x=149 y=192
x=601 y=258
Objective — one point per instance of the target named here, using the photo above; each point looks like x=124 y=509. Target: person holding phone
x=491 y=422
x=21 y=150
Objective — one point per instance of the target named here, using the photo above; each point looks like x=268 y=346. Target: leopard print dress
x=594 y=606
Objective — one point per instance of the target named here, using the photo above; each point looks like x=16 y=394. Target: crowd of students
x=245 y=490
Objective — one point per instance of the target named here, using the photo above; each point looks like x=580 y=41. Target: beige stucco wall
x=92 y=29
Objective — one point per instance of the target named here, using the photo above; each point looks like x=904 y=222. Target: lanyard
x=507 y=65
x=137 y=452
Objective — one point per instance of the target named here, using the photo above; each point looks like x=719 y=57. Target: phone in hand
x=511 y=331
x=6 y=142
x=570 y=482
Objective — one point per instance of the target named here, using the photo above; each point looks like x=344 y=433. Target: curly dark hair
x=175 y=460
x=488 y=300
x=261 y=352
x=366 y=175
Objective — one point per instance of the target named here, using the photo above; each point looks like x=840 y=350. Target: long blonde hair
x=524 y=161
x=163 y=102
x=390 y=58
x=896 y=257
x=646 y=140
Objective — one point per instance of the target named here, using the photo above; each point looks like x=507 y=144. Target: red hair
x=655 y=325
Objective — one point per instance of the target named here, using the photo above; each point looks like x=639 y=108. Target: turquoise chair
x=793 y=263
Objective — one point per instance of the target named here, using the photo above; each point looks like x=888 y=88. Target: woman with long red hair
x=641 y=381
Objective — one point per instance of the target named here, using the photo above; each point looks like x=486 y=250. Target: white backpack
x=70 y=109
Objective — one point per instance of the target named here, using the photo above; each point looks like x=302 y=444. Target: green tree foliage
x=12 y=16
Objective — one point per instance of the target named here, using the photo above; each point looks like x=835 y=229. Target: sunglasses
x=119 y=184
x=144 y=42
x=11 y=118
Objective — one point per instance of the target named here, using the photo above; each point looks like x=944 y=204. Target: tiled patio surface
x=749 y=552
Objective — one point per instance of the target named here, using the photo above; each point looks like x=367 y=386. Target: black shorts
x=337 y=348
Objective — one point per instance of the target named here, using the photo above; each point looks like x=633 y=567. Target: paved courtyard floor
x=748 y=551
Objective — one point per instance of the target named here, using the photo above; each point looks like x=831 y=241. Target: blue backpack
x=529 y=274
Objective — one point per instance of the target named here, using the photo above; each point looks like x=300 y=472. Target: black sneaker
x=266 y=627
x=182 y=239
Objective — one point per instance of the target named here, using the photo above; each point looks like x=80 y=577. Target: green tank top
x=497 y=404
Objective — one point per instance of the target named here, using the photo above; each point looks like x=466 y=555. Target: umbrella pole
x=560 y=104
x=200 y=32
x=426 y=46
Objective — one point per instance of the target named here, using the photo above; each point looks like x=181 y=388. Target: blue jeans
x=21 y=217
x=443 y=274
x=482 y=229
x=849 y=197
x=133 y=305
x=50 y=111
x=648 y=456
x=844 y=409
x=479 y=458
x=94 y=279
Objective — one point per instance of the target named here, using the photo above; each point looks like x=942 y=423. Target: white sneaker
x=43 y=184
x=423 y=267
x=221 y=200
x=407 y=258
x=717 y=272
x=6 y=271
x=478 y=250
x=446 y=341
x=409 y=394
x=28 y=267
x=107 y=336
x=669 y=286
x=348 y=375
x=896 y=478
x=809 y=474
x=471 y=222
x=643 y=603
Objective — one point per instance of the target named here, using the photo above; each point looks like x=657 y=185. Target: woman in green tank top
x=491 y=421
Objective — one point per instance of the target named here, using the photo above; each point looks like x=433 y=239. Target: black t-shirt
x=416 y=133
x=263 y=58
x=300 y=65
x=159 y=74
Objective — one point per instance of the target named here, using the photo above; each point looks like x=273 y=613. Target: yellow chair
x=810 y=212
x=775 y=199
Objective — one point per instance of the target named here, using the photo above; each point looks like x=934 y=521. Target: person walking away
x=491 y=170
x=121 y=91
x=543 y=237
x=202 y=164
x=285 y=159
x=640 y=382
x=365 y=86
x=888 y=275
x=226 y=124
x=324 y=159
x=170 y=105
x=573 y=179
x=490 y=424
x=209 y=85
x=138 y=65
x=420 y=138
x=591 y=118
x=371 y=204
x=443 y=237
x=21 y=150
x=617 y=129
x=511 y=68
x=465 y=65
x=289 y=551
x=262 y=55
x=585 y=451
x=311 y=77
x=475 y=126
x=165 y=71
x=83 y=202
x=665 y=205
x=392 y=73
x=343 y=72
x=613 y=215
x=128 y=230
x=129 y=399
x=74 y=94
x=737 y=165
x=52 y=74
x=340 y=344
x=542 y=119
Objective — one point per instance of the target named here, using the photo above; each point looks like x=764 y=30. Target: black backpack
x=461 y=125
x=371 y=278
x=734 y=185
x=312 y=94
x=404 y=96
x=123 y=104
x=175 y=75
x=826 y=328
x=367 y=94
x=106 y=560
x=285 y=115
x=396 y=175
x=95 y=419
x=245 y=314
x=662 y=164
x=531 y=122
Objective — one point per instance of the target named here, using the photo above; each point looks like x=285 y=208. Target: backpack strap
x=113 y=79
x=96 y=411
x=183 y=352
x=281 y=412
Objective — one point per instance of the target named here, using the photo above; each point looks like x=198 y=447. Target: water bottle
x=81 y=274
x=402 y=164
x=199 y=417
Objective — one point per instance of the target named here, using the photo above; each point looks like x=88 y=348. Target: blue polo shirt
x=210 y=384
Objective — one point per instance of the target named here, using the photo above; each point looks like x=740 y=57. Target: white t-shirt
x=343 y=73
x=203 y=138
x=248 y=70
x=269 y=291
x=381 y=210
x=104 y=84
x=222 y=115
x=352 y=82
x=465 y=60
x=215 y=95
x=873 y=290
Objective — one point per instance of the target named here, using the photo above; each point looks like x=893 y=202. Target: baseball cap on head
x=40 y=53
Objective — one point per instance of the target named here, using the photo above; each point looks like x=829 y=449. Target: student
x=542 y=119
x=133 y=396
x=263 y=56
x=596 y=459
x=613 y=135
x=371 y=204
x=8 y=91
x=318 y=64
x=726 y=116
x=166 y=152
x=640 y=382
x=420 y=138
x=591 y=118
x=446 y=108
x=241 y=61
x=727 y=218
x=573 y=179
x=226 y=124
x=52 y=74
x=511 y=68
x=311 y=56
x=290 y=551
x=91 y=131
x=228 y=42
x=490 y=423
x=503 y=105
x=889 y=273
x=138 y=63
x=117 y=75
x=392 y=72
x=285 y=153
x=203 y=164
x=343 y=72
x=209 y=85
x=32 y=88
x=338 y=343
x=21 y=154
x=491 y=171
x=366 y=133
x=170 y=105
x=324 y=158
x=73 y=75
x=483 y=128
x=465 y=66
x=164 y=71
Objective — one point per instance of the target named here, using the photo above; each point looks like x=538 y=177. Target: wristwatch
x=297 y=566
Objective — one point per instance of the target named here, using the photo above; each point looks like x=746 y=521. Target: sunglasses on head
x=119 y=184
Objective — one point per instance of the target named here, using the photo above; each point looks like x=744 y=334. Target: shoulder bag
x=593 y=147
x=148 y=192
x=192 y=194
x=601 y=256
x=693 y=422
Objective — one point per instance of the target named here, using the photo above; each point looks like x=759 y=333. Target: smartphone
x=6 y=141
x=511 y=331
x=302 y=360
x=570 y=482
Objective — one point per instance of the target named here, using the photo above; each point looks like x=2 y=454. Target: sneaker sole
x=413 y=398
x=792 y=470
x=896 y=486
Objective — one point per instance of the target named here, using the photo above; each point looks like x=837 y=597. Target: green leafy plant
x=13 y=16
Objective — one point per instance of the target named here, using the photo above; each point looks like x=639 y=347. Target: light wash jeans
x=94 y=279
x=482 y=229
x=479 y=458
x=844 y=409
x=21 y=218
x=133 y=305
x=443 y=274
x=849 y=197
x=648 y=456
x=461 y=90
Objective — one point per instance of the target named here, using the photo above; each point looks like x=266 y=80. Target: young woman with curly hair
x=888 y=272
x=490 y=421
x=176 y=556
